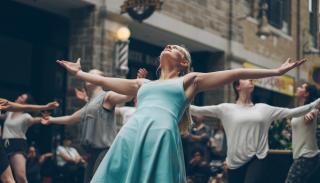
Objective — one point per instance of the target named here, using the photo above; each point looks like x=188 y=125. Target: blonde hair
x=186 y=119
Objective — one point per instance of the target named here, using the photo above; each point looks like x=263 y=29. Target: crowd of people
x=162 y=137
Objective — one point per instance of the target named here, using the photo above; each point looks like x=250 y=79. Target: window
x=313 y=22
x=279 y=12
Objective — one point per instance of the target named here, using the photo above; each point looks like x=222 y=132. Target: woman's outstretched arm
x=119 y=85
x=62 y=120
x=208 y=111
x=280 y=113
x=207 y=81
x=13 y=106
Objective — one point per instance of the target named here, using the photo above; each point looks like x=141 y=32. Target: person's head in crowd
x=306 y=92
x=197 y=156
x=32 y=152
x=67 y=140
x=25 y=98
x=242 y=86
x=198 y=119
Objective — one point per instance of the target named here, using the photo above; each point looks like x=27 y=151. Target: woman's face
x=172 y=54
x=32 y=152
x=67 y=142
x=246 y=85
x=22 y=99
x=301 y=91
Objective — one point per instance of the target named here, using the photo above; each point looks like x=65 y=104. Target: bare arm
x=207 y=81
x=113 y=98
x=66 y=157
x=63 y=120
x=13 y=106
x=209 y=111
x=119 y=85
x=34 y=120
x=44 y=157
x=280 y=113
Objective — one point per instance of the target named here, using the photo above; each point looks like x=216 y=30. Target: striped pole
x=121 y=57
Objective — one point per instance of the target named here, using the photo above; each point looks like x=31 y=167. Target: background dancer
x=148 y=147
x=125 y=112
x=14 y=137
x=305 y=149
x=246 y=126
x=98 y=127
x=5 y=169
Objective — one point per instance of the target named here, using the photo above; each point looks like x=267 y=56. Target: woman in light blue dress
x=148 y=147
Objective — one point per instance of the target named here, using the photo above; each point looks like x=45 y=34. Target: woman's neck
x=301 y=101
x=244 y=99
x=168 y=74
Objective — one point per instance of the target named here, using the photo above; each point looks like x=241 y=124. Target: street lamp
x=123 y=34
x=122 y=50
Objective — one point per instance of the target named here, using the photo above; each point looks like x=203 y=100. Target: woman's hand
x=52 y=105
x=142 y=73
x=45 y=119
x=71 y=67
x=308 y=118
x=4 y=104
x=289 y=64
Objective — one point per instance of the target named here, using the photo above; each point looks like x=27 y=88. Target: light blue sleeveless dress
x=148 y=147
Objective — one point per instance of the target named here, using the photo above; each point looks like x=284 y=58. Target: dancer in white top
x=305 y=149
x=246 y=126
x=5 y=169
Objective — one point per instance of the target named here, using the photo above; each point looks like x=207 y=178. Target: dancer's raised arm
x=207 y=81
x=13 y=106
x=119 y=85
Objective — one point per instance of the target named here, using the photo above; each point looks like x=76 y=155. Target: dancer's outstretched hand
x=45 y=119
x=290 y=64
x=4 y=104
x=71 y=67
x=308 y=118
x=53 y=105
x=142 y=73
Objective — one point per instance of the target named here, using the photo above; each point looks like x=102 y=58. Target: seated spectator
x=69 y=162
x=199 y=168
x=199 y=137
x=34 y=162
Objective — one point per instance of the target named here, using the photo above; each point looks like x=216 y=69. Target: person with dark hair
x=246 y=126
x=148 y=147
x=198 y=138
x=199 y=167
x=34 y=164
x=305 y=150
x=5 y=168
x=15 y=127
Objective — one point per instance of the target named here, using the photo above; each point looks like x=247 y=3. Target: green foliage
x=280 y=135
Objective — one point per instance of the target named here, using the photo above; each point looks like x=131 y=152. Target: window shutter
x=275 y=13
